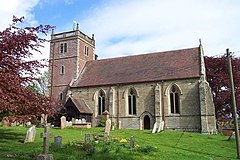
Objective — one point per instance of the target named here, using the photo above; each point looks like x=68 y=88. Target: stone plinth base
x=45 y=157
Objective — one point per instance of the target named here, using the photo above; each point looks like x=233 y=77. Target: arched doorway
x=146 y=122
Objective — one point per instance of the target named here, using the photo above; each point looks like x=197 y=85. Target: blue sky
x=130 y=27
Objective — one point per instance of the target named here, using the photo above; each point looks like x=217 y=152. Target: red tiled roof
x=169 y=65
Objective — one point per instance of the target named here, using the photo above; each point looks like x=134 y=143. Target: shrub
x=102 y=122
x=146 y=149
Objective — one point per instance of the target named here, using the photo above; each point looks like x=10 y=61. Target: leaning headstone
x=58 y=140
x=45 y=135
x=161 y=126
x=108 y=127
x=232 y=136
x=63 y=122
x=30 y=135
x=131 y=142
x=87 y=138
x=155 y=127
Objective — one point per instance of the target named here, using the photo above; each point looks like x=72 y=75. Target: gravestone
x=28 y=123
x=131 y=142
x=105 y=136
x=95 y=138
x=87 y=138
x=58 y=140
x=63 y=122
x=13 y=124
x=45 y=135
x=119 y=124
x=5 y=122
x=30 y=135
x=155 y=127
x=108 y=127
x=161 y=126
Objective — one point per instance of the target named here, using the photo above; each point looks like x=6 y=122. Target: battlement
x=74 y=33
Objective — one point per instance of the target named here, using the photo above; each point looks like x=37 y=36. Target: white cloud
x=18 y=8
x=129 y=27
x=21 y=8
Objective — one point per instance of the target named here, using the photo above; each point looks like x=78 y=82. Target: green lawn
x=165 y=145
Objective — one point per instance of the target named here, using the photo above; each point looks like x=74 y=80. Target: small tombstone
x=95 y=138
x=58 y=140
x=232 y=136
x=13 y=124
x=63 y=122
x=119 y=124
x=105 y=136
x=30 y=135
x=131 y=142
x=5 y=122
x=87 y=138
x=45 y=135
x=155 y=127
x=28 y=123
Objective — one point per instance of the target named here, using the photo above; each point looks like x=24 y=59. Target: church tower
x=69 y=51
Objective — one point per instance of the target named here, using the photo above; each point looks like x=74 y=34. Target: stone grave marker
x=105 y=136
x=5 y=122
x=119 y=124
x=161 y=126
x=30 y=135
x=108 y=127
x=63 y=122
x=95 y=138
x=87 y=138
x=28 y=123
x=155 y=127
x=58 y=140
x=45 y=135
x=131 y=142
x=13 y=124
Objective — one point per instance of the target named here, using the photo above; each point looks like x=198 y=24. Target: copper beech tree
x=218 y=78
x=17 y=71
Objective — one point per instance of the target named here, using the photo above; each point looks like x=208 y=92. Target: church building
x=137 y=91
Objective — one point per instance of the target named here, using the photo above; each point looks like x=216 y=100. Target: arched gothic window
x=174 y=100
x=101 y=102
x=132 y=102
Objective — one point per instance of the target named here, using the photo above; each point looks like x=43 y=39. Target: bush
x=146 y=149
x=102 y=122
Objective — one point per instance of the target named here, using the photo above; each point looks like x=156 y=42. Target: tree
x=218 y=78
x=17 y=71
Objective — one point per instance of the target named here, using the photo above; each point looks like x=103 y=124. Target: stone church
x=136 y=90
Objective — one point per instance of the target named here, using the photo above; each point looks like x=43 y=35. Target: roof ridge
x=141 y=54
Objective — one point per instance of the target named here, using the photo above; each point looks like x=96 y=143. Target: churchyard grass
x=148 y=146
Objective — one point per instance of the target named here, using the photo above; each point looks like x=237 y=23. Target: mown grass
x=165 y=145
